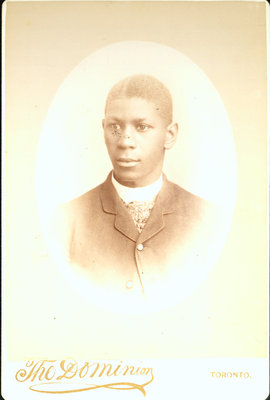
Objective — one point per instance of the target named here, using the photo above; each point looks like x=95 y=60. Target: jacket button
x=129 y=284
x=140 y=246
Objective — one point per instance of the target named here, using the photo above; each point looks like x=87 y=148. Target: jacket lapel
x=125 y=224
x=112 y=204
x=154 y=224
x=165 y=204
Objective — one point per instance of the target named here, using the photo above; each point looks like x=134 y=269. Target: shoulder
x=83 y=203
x=179 y=194
x=182 y=194
x=86 y=197
x=190 y=203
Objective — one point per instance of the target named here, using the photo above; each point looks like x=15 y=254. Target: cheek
x=109 y=143
x=155 y=148
x=153 y=157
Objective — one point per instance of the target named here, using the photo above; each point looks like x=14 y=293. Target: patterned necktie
x=140 y=212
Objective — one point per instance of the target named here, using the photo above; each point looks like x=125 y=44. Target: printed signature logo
x=70 y=376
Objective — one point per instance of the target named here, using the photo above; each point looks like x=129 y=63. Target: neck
x=144 y=193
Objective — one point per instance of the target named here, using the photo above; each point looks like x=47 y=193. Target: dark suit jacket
x=102 y=239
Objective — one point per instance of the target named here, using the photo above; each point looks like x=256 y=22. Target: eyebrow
x=113 y=118
x=141 y=119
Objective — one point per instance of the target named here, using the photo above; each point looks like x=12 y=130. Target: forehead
x=133 y=108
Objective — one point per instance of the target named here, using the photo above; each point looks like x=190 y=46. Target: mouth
x=127 y=162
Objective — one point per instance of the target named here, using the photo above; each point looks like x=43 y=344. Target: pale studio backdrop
x=226 y=316
x=203 y=159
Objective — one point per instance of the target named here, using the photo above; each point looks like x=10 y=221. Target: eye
x=115 y=128
x=143 y=127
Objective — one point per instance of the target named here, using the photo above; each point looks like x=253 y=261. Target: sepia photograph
x=135 y=207
x=137 y=234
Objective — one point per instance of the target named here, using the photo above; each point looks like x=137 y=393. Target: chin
x=126 y=179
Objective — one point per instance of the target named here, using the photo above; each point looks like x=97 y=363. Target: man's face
x=135 y=136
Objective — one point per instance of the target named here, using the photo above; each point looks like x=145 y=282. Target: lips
x=127 y=162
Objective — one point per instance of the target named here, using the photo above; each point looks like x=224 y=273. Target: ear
x=171 y=135
x=103 y=122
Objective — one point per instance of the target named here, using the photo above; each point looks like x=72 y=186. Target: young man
x=137 y=229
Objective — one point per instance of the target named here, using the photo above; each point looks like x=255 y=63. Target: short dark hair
x=146 y=87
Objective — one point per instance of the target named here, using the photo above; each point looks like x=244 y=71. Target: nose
x=127 y=138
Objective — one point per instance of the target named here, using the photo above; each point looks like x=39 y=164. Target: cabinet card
x=135 y=199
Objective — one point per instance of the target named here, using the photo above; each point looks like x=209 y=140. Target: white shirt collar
x=139 y=193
